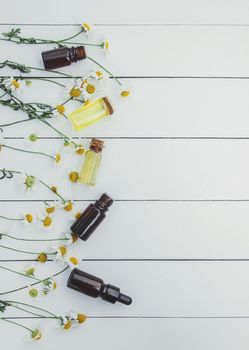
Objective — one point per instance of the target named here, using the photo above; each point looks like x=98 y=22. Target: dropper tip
x=124 y=299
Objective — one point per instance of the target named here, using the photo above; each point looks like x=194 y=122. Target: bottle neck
x=104 y=202
x=77 y=53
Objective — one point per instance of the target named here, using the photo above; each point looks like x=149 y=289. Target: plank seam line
x=144 y=260
x=134 y=200
x=148 y=317
x=128 y=24
x=137 y=137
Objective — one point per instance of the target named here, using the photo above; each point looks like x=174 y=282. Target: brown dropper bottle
x=63 y=56
x=92 y=216
x=95 y=287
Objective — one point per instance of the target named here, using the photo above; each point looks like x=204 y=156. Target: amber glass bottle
x=92 y=216
x=95 y=287
x=63 y=56
x=90 y=168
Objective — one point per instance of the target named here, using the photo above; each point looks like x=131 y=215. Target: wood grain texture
x=175 y=161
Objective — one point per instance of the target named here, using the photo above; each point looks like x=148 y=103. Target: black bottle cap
x=95 y=287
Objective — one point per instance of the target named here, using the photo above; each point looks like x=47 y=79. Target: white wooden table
x=176 y=162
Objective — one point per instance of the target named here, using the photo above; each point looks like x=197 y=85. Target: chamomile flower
x=87 y=29
x=42 y=258
x=79 y=149
x=36 y=334
x=28 y=219
x=105 y=45
x=73 y=176
x=14 y=84
x=60 y=253
x=45 y=220
x=57 y=158
x=65 y=323
x=27 y=182
x=98 y=75
x=91 y=87
x=30 y=270
x=124 y=92
x=71 y=238
x=75 y=88
x=31 y=138
x=33 y=292
x=76 y=318
x=51 y=207
x=48 y=286
x=59 y=110
x=72 y=262
x=68 y=205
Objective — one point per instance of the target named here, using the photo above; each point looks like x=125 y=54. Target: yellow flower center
x=86 y=27
x=60 y=109
x=75 y=92
x=57 y=158
x=36 y=334
x=81 y=318
x=90 y=88
x=125 y=93
x=73 y=260
x=74 y=237
x=15 y=83
x=42 y=258
x=54 y=189
x=63 y=250
x=80 y=150
x=106 y=45
x=54 y=285
x=50 y=210
x=29 y=218
x=78 y=215
x=99 y=74
x=47 y=221
x=68 y=206
x=73 y=176
x=33 y=292
x=67 y=325
x=30 y=271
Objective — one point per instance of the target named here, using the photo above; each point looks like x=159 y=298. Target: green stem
x=16 y=323
x=46 y=185
x=23 y=251
x=35 y=283
x=19 y=273
x=33 y=240
x=16 y=122
x=106 y=70
x=11 y=219
x=27 y=151
x=46 y=79
x=31 y=306
x=28 y=312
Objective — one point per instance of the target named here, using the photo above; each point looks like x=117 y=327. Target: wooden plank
x=139 y=333
x=160 y=169
x=157 y=108
x=140 y=12
x=140 y=230
x=150 y=51
x=179 y=289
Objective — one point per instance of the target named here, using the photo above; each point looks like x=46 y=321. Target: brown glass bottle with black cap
x=92 y=217
x=95 y=287
x=63 y=56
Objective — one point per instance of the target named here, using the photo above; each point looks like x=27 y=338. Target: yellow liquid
x=89 y=114
x=90 y=168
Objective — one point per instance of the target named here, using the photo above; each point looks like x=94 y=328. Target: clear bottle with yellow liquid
x=88 y=173
x=90 y=113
